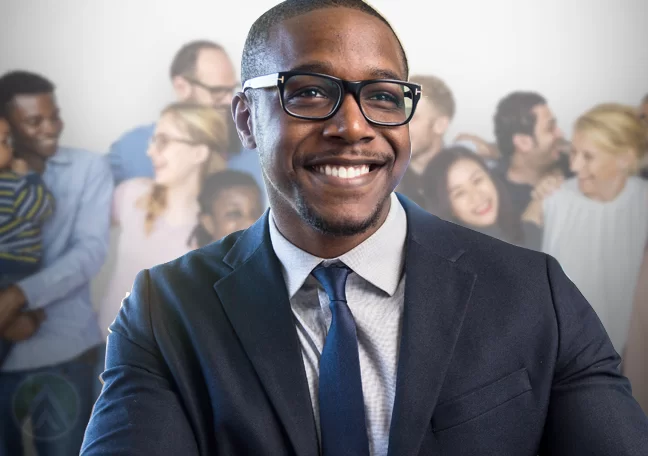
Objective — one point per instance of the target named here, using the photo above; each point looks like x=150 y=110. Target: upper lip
x=344 y=161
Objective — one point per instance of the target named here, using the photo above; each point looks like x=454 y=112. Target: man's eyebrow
x=326 y=68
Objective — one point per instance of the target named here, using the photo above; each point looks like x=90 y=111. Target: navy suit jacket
x=500 y=354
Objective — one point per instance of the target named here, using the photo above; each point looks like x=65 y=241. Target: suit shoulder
x=483 y=251
x=203 y=265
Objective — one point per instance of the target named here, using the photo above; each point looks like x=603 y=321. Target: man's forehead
x=214 y=64
x=35 y=102
x=337 y=41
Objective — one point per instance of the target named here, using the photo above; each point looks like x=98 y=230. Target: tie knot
x=333 y=279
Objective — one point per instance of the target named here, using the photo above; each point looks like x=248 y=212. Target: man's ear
x=522 y=142
x=441 y=125
x=242 y=114
x=181 y=87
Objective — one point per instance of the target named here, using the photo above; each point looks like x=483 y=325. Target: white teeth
x=344 y=172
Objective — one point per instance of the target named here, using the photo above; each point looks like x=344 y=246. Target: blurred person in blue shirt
x=201 y=72
x=48 y=375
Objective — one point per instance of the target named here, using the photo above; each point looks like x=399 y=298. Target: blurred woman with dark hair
x=460 y=188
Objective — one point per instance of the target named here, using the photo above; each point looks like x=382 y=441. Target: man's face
x=421 y=127
x=214 y=81
x=547 y=135
x=36 y=125
x=350 y=45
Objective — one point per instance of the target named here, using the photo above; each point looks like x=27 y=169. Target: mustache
x=374 y=157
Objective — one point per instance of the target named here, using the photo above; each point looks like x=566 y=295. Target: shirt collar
x=61 y=157
x=379 y=259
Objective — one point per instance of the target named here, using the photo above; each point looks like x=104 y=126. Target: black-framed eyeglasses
x=161 y=141
x=316 y=96
x=218 y=91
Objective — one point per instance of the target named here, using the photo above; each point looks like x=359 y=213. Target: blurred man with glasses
x=348 y=321
x=201 y=72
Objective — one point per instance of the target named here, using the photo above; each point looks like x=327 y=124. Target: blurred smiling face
x=234 y=209
x=473 y=196
x=36 y=123
x=597 y=170
x=335 y=174
x=175 y=157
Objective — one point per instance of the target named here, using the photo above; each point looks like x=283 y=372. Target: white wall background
x=110 y=58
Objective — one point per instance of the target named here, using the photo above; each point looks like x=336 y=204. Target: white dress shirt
x=375 y=295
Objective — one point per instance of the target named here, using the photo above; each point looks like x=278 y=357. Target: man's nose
x=51 y=127
x=349 y=123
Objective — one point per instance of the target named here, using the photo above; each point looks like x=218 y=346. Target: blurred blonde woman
x=596 y=224
x=157 y=216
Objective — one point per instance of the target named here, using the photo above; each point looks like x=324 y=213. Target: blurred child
x=25 y=204
x=229 y=201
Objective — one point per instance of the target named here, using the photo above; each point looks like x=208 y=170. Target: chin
x=342 y=223
x=48 y=152
x=585 y=187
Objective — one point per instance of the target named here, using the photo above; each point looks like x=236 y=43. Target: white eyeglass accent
x=262 y=82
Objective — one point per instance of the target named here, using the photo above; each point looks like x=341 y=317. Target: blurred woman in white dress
x=596 y=224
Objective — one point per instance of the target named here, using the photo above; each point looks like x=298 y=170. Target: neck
x=419 y=162
x=321 y=245
x=520 y=171
x=35 y=162
x=610 y=190
x=182 y=204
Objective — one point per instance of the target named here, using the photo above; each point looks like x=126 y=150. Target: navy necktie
x=341 y=403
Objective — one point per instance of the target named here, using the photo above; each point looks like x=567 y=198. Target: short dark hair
x=15 y=83
x=185 y=60
x=212 y=187
x=514 y=115
x=644 y=99
x=253 y=61
x=220 y=181
x=437 y=197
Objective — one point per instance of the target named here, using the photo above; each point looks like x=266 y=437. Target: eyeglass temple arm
x=261 y=82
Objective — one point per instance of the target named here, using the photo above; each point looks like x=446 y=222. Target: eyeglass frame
x=353 y=87
x=171 y=139
x=212 y=89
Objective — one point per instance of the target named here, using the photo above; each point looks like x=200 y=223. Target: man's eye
x=309 y=93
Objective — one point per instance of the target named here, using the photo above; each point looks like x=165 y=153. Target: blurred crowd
x=185 y=181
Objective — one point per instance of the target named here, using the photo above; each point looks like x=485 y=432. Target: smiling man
x=347 y=321
x=57 y=358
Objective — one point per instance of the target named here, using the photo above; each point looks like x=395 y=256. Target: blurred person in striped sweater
x=25 y=204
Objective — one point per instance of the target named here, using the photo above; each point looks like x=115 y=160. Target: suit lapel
x=437 y=292
x=255 y=299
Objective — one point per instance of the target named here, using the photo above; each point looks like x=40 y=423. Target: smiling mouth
x=483 y=209
x=344 y=172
